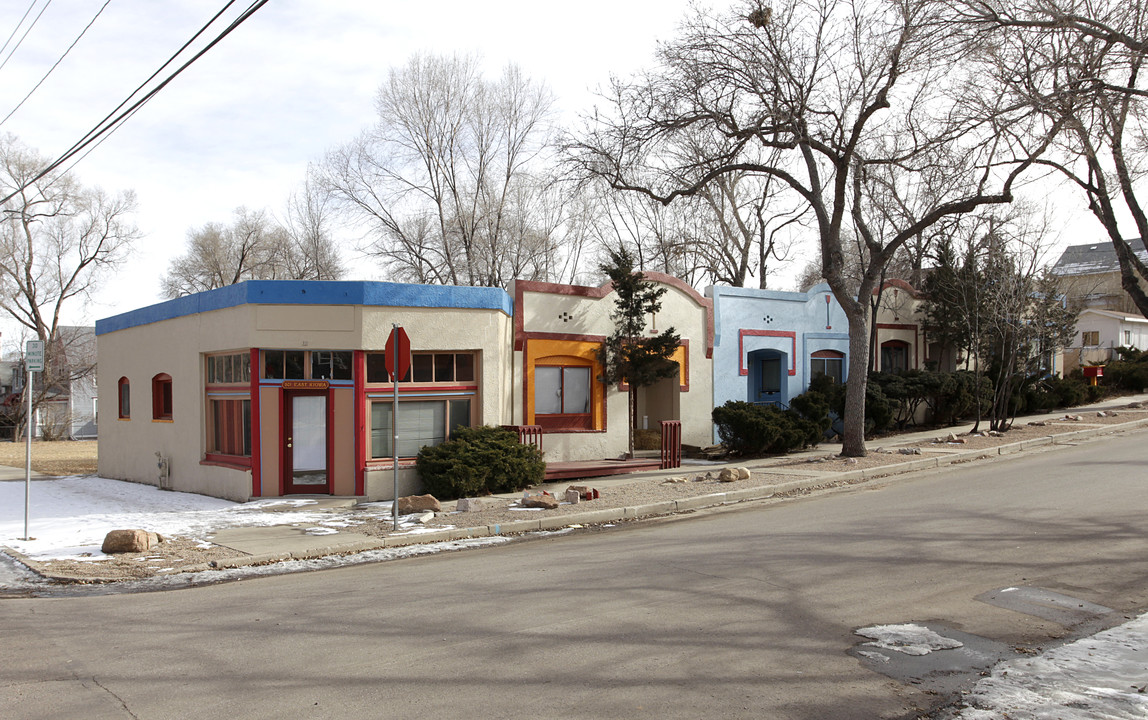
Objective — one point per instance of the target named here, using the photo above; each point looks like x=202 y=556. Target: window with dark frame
x=829 y=363
x=426 y=367
x=894 y=356
x=230 y=432
x=1090 y=338
x=421 y=423
x=125 y=396
x=161 y=399
x=562 y=397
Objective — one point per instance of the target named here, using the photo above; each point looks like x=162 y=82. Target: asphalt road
x=744 y=612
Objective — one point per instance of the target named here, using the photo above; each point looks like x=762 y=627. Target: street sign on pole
x=34 y=363
x=34 y=355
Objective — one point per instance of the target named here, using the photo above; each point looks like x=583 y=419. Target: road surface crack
x=123 y=704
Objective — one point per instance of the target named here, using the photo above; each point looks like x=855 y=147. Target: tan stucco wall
x=128 y=447
x=176 y=346
x=580 y=315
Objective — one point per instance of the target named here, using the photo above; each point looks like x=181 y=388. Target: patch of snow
x=321 y=531
x=909 y=639
x=874 y=655
x=1100 y=677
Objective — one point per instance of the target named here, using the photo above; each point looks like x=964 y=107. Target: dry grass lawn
x=61 y=457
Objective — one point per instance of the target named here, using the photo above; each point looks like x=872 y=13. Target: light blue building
x=769 y=345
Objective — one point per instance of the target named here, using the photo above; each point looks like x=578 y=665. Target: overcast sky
x=240 y=126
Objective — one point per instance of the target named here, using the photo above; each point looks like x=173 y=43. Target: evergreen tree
x=629 y=355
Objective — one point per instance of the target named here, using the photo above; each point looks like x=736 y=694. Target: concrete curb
x=607 y=515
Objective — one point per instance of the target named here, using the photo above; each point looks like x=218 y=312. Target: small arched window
x=161 y=397
x=125 y=397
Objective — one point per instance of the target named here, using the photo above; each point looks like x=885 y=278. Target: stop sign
x=398 y=354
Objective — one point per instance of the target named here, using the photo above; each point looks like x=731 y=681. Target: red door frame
x=286 y=468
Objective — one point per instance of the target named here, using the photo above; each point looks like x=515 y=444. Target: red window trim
x=123 y=381
x=162 y=402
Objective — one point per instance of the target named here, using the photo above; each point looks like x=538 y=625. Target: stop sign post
x=397 y=359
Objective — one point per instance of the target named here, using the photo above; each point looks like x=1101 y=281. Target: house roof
x=1093 y=259
x=1122 y=317
x=313 y=292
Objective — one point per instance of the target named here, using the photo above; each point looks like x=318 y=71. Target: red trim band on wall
x=742 y=334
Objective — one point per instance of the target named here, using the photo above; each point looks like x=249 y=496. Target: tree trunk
x=853 y=437
x=632 y=407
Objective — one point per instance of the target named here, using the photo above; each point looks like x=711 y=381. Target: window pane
x=293 y=364
x=246 y=427
x=228 y=368
x=576 y=390
x=548 y=390
x=423 y=367
x=377 y=368
x=341 y=365
x=273 y=364
x=381 y=430
x=464 y=367
x=420 y=423
x=444 y=367
x=320 y=365
x=459 y=414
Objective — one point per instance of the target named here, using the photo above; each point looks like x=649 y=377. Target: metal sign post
x=33 y=363
x=397 y=359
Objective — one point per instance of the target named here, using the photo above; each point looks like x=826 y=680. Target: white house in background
x=1100 y=332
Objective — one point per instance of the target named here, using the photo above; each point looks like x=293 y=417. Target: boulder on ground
x=474 y=504
x=546 y=502
x=418 y=503
x=910 y=451
x=728 y=475
x=743 y=473
x=129 y=541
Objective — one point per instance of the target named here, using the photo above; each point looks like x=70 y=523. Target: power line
x=110 y=124
x=17 y=28
x=34 y=89
x=21 y=41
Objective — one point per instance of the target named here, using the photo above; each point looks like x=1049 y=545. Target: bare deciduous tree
x=838 y=101
x=1079 y=64
x=451 y=183
x=58 y=240
x=255 y=247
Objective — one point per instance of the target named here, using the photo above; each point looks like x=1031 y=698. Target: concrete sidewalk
x=277 y=543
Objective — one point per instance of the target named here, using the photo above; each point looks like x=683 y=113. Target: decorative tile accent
x=565 y=317
x=768 y=319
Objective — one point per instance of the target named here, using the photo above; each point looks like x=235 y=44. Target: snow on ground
x=1100 y=677
x=70 y=516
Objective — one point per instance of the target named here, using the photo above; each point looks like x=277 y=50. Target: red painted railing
x=671 y=444
x=528 y=434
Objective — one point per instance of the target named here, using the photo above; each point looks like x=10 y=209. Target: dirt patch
x=60 y=457
x=171 y=556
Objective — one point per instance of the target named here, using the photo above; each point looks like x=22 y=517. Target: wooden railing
x=671 y=444
x=527 y=434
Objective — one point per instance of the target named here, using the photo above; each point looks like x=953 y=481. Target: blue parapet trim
x=314 y=292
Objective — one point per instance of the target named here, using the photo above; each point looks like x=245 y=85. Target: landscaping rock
x=475 y=504
x=674 y=480
x=573 y=496
x=423 y=518
x=728 y=475
x=583 y=491
x=129 y=541
x=546 y=502
x=418 y=503
x=910 y=451
x=743 y=473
